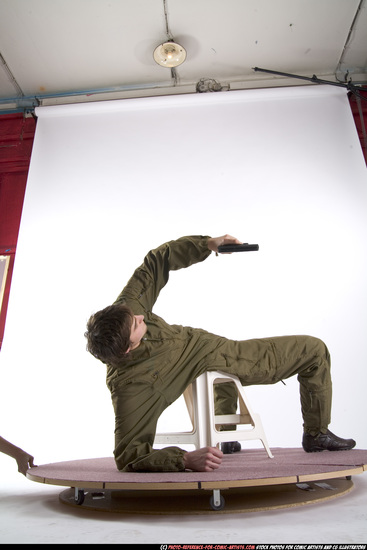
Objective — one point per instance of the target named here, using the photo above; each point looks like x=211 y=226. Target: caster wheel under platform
x=192 y=502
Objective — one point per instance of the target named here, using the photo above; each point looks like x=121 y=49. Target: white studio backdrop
x=109 y=181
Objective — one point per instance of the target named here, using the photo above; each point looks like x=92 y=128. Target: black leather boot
x=230 y=447
x=326 y=442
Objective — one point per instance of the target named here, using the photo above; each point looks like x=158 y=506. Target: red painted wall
x=356 y=109
x=16 y=140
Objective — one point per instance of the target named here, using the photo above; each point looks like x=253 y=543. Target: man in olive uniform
x=150 y=364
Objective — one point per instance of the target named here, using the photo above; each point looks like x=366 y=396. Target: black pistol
x=244 y=247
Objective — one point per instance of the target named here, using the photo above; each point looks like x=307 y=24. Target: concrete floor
x=31 y=513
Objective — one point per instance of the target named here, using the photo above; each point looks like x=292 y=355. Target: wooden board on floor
x=248 y=468
x=249 y=480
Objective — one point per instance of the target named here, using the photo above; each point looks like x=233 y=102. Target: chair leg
x=199 y=399
x=246 y=416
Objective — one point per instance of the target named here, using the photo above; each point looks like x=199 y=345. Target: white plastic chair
x=199 y=398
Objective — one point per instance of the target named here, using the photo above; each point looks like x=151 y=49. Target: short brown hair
x=108 y=333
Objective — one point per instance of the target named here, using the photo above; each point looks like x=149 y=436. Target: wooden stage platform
x=246 y=481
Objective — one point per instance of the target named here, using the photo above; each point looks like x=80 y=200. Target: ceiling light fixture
x=169 y=54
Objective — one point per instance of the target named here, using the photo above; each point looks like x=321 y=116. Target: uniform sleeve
x=137 y=409
x=149 y=279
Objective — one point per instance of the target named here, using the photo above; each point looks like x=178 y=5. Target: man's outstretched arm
x=149 y=279
x=24 y=460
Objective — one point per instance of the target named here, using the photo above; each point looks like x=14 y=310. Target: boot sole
x=319 y=450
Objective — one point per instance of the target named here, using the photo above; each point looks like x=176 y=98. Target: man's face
x=138 y=329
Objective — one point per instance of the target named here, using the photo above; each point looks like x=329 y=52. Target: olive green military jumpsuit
x=170 y=357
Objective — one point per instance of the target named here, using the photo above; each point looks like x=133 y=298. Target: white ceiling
x=62 y=51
